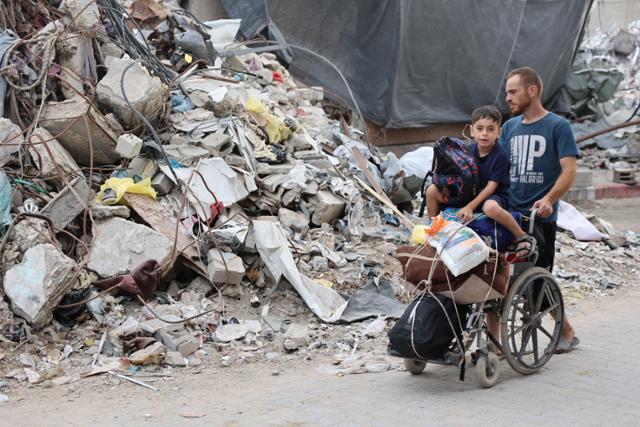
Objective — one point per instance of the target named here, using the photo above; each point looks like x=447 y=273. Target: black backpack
x=423 y=331
x=454 y=171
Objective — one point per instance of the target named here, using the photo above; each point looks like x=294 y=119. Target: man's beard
x=519 y=109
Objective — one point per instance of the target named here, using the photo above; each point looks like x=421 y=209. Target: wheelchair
x=530 y=315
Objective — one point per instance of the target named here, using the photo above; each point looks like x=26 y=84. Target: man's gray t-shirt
x=535 y=150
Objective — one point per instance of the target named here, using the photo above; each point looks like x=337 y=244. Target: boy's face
x=486 y=132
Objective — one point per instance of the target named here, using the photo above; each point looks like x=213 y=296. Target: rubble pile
x=604 y=88
x=164 y=206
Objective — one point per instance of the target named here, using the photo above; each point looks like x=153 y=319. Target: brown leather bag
x=417 y=261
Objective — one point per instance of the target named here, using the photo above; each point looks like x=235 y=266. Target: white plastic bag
x=459 y=247
x=417 y=162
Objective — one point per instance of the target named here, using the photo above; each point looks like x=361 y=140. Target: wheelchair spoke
x=534 y=341
x=542 y=293
x=524 y=341
x=544 y=331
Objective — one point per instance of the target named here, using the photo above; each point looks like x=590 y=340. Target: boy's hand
x=465 y=214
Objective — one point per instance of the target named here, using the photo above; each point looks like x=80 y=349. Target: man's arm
x=563 y=184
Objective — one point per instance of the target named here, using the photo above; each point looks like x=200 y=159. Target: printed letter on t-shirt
x=537 y=147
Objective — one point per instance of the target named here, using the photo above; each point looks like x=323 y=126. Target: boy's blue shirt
x=493 y=167
x=535 y=150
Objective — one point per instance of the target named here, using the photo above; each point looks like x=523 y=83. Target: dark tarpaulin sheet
x=413 y=63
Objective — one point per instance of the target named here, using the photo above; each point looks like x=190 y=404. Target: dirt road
x=595 y=385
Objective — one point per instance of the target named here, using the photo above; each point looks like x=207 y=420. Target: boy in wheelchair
x=493 y=173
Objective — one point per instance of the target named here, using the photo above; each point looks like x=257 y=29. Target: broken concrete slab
x=235 y=331
x=65 y=119
x=186 y=153
x=145 y=93
x=128 y=145
x=49 y=155
x=68 y=203
x=328 y=207
x=119 y=246
x=38 y=283
x=298 y=334
x=10 y=140
x=154 y=325
x=293 y=220
x=232 y=274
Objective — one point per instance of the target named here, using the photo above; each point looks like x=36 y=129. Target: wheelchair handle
x=532 y=220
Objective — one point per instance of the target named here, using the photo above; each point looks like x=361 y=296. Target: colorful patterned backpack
x=455 y=172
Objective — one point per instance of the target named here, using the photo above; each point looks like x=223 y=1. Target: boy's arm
x=491 y=188
x=466 y=213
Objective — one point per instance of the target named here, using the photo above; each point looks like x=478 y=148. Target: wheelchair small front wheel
x=415 y=366
x=488 y=369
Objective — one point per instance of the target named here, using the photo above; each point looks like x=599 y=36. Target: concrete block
x=154 y=325
x=218 y=144
x=49 y=155
x=73 y=49
x=120 y=245
x=38 y=283
x=584 y=178
x=128 y=146
x=267 y=169
x=162 y=183
x=142 y=166
x=66 y=119
x=218 y=272
x=178 y=341
x=144 y=92
x=10 y=140
x=293 y=220
x=68 y=203
x=328 y=207
x=297 y=333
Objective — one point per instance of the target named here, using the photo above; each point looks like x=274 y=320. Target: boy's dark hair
x=486 y=112
x=528 y=77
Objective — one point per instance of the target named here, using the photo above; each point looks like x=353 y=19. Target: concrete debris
x=31 y=232
x=152 y=355
x=144 y=93
x=295 y=221
x=235 y=331
x=81 y=130
x=128 y=146
x=120 y=246
x=38 y=283
x=68 y=203
x=225 y=267
x=328 y=207
x=51 y=158
x=11 y=139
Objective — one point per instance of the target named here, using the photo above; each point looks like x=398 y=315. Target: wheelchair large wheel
x=531 y=321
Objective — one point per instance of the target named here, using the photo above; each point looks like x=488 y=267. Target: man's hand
x=544 y=206
x=465 y=214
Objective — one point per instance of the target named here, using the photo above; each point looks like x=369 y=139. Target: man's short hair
x=528 y=77
x=486 y=112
